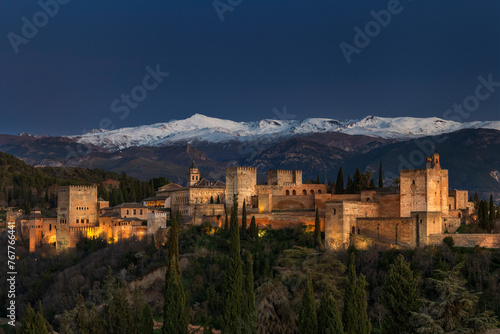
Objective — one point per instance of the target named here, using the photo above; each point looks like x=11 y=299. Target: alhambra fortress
x=421 y=212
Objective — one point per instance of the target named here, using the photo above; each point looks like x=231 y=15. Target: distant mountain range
x=471 y=150
x=200 y=128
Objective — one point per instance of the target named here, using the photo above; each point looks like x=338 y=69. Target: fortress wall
x=451 y=224
x=281 y=177
x=346 y=197
x=392 y=230
x=293 y=202
x=340 y=221
x=468 y=240
x=390 y=204
x=202 y=210
x=321 y=199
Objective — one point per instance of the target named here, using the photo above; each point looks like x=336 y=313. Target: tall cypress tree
x=81 y=316
x=339 y=185
x=317 y=230
x=244 y=217
x=308 y=322
x=118 y=316
x=174 y=312
x=28 y=323
x=249 y=312
x=234 y=278
x=254 y=231
x=400 y=296
x=147 y=324
x=349 y=186
x=354 y=317
x=226 y=223
x=380 y=176
x=358 y=181
x=329 y=320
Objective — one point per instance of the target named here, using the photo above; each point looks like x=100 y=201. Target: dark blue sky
x=264 y=55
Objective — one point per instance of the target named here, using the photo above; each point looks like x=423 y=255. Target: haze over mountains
x=470 y=151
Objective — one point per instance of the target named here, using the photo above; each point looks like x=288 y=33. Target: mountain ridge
x=200 y=128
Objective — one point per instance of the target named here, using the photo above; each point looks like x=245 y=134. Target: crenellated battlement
x=240 y=168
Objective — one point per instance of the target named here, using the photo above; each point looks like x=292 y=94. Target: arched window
x=334 y=211
x=353 y=230
x=304 y=192
x=319 y=191
x=294 y=193
x=77 y=221
x=287 y=193
x=312 y=192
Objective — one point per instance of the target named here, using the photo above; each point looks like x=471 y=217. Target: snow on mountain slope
x=202 y=128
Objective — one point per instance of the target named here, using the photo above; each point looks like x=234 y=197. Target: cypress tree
x=308 y=322
x=329 y=320
x=339 y=185
x=28 y=323
x=372 y=184
x=349 y=186
x=492 y=213
x=234 y=278
x=380 y=176
x=244 y=217
x=354 y=317
x=400 y=296
x=81 y=316
x=317 y=230
x=118 y=315
x=226 y=223
x=317 y=180
x=254 y=231
x=249 y=312
x=96 y=325
x=147 y=324
x=175 y=319
x=358 y=181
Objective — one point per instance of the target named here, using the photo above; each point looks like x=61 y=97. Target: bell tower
x=193 y=175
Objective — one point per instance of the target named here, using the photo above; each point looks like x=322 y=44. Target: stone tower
x=240 y=181
x=76 y=214
x=193 y=175
x=424 y=190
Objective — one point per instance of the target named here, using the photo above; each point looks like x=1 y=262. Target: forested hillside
x=25 y=186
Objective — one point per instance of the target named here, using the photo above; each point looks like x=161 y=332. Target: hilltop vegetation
x=25 y=186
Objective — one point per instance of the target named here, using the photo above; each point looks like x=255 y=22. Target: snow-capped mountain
x=200 y=128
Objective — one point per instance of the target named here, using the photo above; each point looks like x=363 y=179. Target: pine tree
x=253 y=230
x=234 y=278
x=244 y=217
x=308 y=322
x=329 y=320
x=317 y=230
x=174 y=313
x=249 y=312
x=380 y=176
x=339 y=185
x=147 y=324
x=354 y=317
x=400 y=296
